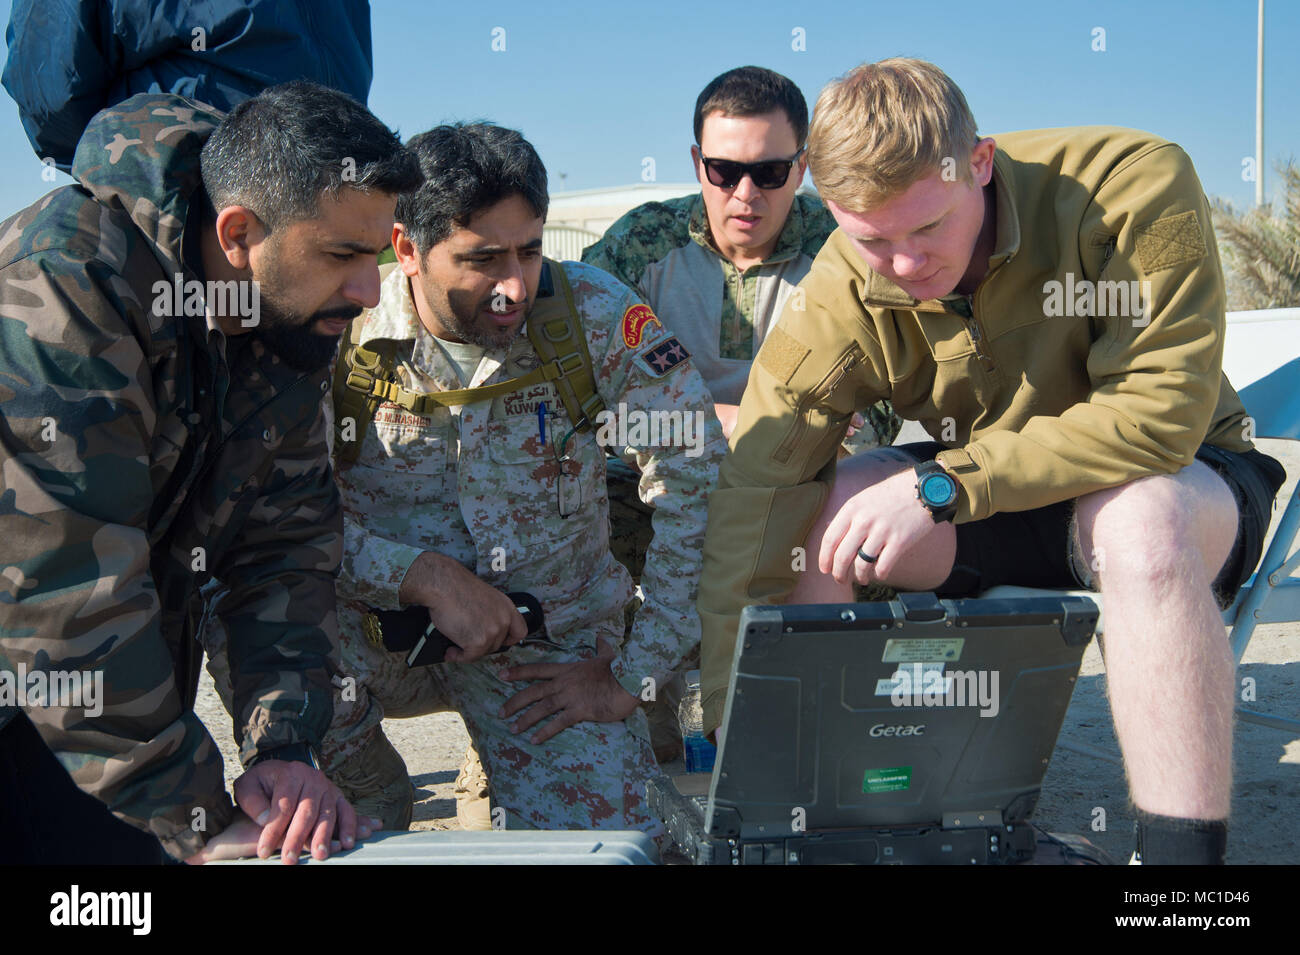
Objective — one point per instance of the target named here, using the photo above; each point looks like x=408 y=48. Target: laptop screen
x=916 y=712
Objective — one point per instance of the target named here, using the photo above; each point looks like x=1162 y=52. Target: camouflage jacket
x=141 y=456
x=481 y=484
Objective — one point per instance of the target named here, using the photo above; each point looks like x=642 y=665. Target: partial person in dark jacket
x=68 y=60
x=165 y=330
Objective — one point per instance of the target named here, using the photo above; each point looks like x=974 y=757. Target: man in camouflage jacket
x=151 y=444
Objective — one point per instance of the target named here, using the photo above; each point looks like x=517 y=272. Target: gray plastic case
x=504 y=847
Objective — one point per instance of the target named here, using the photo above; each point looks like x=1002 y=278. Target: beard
x=461 y=318
x=293 y=339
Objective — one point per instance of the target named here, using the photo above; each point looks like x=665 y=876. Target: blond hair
x=882 y=127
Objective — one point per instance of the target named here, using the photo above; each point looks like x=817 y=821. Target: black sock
x=1165 y=840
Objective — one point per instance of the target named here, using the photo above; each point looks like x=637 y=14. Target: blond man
x=1050 y=306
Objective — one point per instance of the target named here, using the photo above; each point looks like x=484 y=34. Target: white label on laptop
x=918 y=676
x=917 y=650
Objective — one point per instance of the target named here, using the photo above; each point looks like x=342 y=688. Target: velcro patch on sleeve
x=1170 y=241
x=634 y=323
x=782 y=354
x=664 y=357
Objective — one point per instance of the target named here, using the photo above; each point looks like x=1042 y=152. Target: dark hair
x=280 y=151
x=753 y=91
x=467 y=168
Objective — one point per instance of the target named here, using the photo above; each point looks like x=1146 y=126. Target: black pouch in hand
x=410 y=631
x=395 y=630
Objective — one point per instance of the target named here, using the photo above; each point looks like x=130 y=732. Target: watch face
x=938 y=490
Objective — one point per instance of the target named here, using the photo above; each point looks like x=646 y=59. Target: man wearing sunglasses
x=719 y=267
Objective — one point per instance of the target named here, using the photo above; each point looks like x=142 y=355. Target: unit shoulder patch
x=782 y=354
x=1170 y=241
x=664 y=357
x=634 y=323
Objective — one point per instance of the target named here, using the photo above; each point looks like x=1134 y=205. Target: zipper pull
x=845 y=367
x=965 y=308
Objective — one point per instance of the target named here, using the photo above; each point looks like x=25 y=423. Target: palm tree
x=1261 y=249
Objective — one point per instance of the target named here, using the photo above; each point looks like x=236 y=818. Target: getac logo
x=880 y=729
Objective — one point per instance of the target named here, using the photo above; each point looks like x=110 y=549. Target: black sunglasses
x=768 y=174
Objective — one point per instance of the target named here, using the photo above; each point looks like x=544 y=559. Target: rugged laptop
x=913 y=731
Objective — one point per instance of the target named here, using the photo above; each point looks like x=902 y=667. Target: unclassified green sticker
x=887 y=780
x=926 y=650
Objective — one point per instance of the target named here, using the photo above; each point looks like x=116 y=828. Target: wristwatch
x=936 y=489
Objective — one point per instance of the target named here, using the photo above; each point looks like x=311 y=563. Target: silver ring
x=867 y=558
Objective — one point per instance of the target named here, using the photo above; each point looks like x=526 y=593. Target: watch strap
x=289 y=753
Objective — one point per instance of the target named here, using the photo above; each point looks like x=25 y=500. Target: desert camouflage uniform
x=177 y=456
x=477 y=484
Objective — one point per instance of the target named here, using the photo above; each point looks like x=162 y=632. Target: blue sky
x=598 y=88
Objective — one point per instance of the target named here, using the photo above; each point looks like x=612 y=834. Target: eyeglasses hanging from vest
x=568 y=489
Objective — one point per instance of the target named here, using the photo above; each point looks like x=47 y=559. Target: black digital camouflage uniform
x=176 y=456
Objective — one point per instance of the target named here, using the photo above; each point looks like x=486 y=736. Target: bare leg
x=1156 y=545
x=924 y=567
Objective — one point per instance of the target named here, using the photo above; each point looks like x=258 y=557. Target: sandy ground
x=1265 y=824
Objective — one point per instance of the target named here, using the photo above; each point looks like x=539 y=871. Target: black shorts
x=1035 y=548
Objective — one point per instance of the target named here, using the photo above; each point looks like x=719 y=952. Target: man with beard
x=469 y=484
x=167 y=325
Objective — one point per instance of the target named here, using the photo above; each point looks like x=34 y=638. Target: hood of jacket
x=142 y=157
